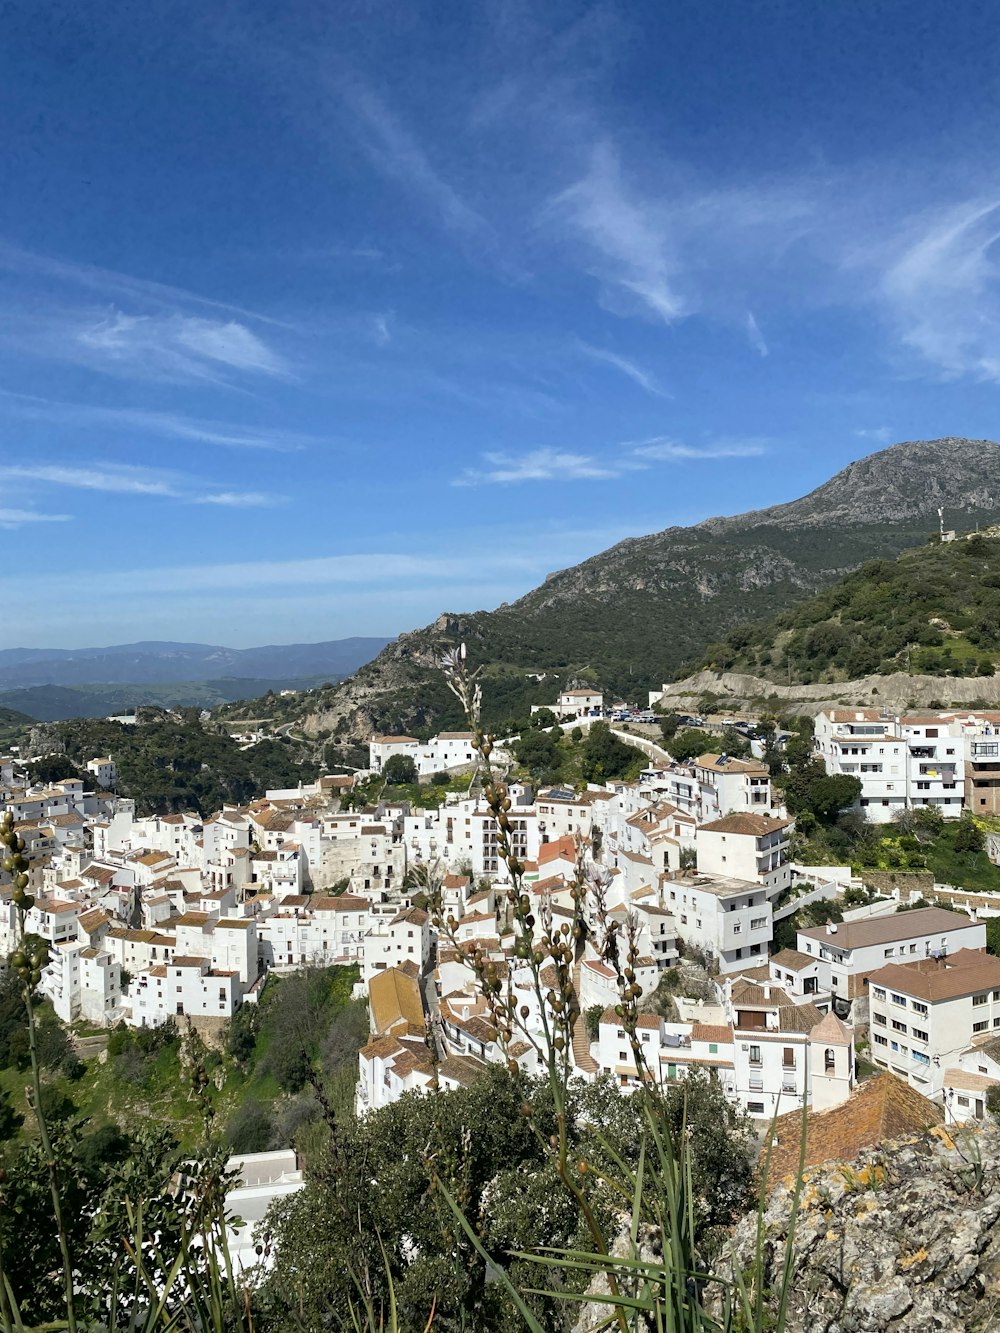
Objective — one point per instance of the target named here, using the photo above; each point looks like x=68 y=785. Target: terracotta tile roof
x=342 y=902
x=830 y=1030
x=883 y=1107
x=932 y=979
x=561 y=849
x=189 y=960
x=800 y=1018
x=968 y=1082
x=456 y=881
x=394 y=998
x=94 y=920
x=394 y=740
x=792 y=960
x=715 y=1032
x=890 y=929
x=758 y=826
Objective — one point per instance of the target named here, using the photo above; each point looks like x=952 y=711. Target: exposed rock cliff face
x=904 y=1238
x=897 y=691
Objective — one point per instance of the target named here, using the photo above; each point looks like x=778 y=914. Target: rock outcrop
x=904 y=1238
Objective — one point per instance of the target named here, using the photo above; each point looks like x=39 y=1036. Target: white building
x=729 y=786
x=751 y=847
x=575 y=703
x=184 y=987
x=924 y=1014
x=729 y=919
x=849 y=951
x=104 y=770
x=901 y=762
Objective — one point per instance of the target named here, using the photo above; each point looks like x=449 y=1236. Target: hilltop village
x=176 y=917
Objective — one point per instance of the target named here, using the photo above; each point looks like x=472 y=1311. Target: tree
x=687 y=745
x=668 y=726
x=810 y=788
x=969 y=838
x=539 y=753
x=400 y=770
x=605 y=756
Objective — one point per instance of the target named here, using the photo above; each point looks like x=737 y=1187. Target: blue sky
x=318 y=320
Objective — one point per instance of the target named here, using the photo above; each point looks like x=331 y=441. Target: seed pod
x=18 y=959
x=36 y=976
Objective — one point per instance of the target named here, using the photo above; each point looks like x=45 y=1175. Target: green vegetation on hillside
x=935 y=610
x=53 y=703
x=173 y=764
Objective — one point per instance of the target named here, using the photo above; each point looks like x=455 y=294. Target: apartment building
x=750 y=847
x=730 y=786
x=848 y=952
x=901 y=762
x=729 y=919
x=924 y=1014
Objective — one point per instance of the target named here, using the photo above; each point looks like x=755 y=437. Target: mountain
x=641 y=612
x=155 y=662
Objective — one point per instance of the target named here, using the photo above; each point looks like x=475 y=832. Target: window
x=980 y=999
x=713 y=1046
x=919 y=1008
x=898 y=1027
x=898 y=999
x=920 y=1034
x=755 y=1055
x=788 y=1058
x=980 y=1027
x=921 y=1058
x=880 y=1040
x=963 y=1101
x=887 y=953
x=913 y=948
x=829 y=1060
x=878 y=1018
x=755 y=1108
x=878 y=993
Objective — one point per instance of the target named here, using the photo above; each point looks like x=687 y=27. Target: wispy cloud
x=880 y=434
x=120 y=479
x=538 y=465
x=16 y=518
x=614 y=462
x=109 y=283
x=168 y=424
x=240 y=499
x=628 y=240
x=754 y=334
x=628 y=368
x=125 y=479
x=396 y=152
x=173 y=346
x=660 y=448
x=941 y=289
x=380 y=330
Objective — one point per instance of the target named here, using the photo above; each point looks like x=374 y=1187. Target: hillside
x=646 y=609
x=172 y=764
x=52 y=703
x=933 y=611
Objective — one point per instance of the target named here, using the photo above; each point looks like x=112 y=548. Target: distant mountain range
x=160 y=662
x=648 y=608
